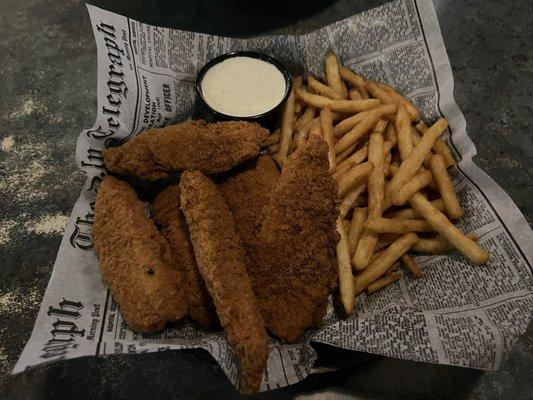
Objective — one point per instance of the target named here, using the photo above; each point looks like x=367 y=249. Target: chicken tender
x=209 y=148
x=135 y=260
x=167 y=214
x=221 y=259
x=295 y=266
x=247 y=192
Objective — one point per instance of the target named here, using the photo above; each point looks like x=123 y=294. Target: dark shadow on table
x=226 y=18
x=193 y=374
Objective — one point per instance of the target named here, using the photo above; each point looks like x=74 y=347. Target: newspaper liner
x=459 y=314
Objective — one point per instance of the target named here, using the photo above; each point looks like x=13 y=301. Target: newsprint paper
x=458 y=314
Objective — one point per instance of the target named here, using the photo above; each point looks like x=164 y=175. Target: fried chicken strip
x=295 y=267
x=247 y=192
x=209 y=148
x=167 y=214
x=135 y=260
x=221 y=259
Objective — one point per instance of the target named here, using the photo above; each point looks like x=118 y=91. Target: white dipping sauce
x=243 y=87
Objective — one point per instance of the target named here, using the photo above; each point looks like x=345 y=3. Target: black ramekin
x=268 y=119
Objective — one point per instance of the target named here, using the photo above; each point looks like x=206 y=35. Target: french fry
x=347 y=124
x=272 y=138
x=345 y=154
x=445 y=187
x=384 y=225
x=403 y=132
x=346 y=224
x=390 y=134
x=416 y=184
x=357 y=157
x=410 y=213
x=307 y=116
x=361 y=129
x=349 y=201
x=341 y=170
x=386 y=260
x=409 y=263
x=440 y=146
x=393 y=269
x=297 y=84
x=355 y=80
x=356 y=227
x=354 y=95
x=273 y=149
x=327 y=133
x=354 y=177
x=385 y=239
x=344 y=90
x=441 y=224
x=316 y=128
x=286 y=130
x=414 y=113
x=332 y=74
x=341 y=106
x=412 y=164
x=322 y=89
x=375 y=188
x=346 y=283
x=436 y=245
x=382 y=282
x=394 y=167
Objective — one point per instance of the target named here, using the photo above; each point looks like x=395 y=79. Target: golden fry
x=390 y=134
x=410 y=213
x=361 y=129
x=356 y=228
x=412 y=164
x=355 y=80
x=342 y=106
x=382 y=282
x=403 y=132
x=346 y=153
x=441 y=224
x=414 y=113
x=416 y=184
x=386 y=260
x=375 y=187
x=327 y=133
x=347 y=124
x=307 y=116
x=409 y=263
x=332 y=74
x=354 y=177
x=349 y=201
x=322 y=89
x=385 y=225
x=355 y=95
x=346 y=283
x=445 y=187
x=287 y=122
x=440 y=146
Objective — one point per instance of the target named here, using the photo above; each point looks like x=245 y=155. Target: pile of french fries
x=396 y=195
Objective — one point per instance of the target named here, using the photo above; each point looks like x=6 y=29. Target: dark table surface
x=48 y=94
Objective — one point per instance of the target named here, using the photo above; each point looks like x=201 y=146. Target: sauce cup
x=268 y=118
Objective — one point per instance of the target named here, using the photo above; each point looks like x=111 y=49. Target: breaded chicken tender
x=167 y=214
x=247 y=192
x=295 y=266
x=193 y=145
x=135 y=260
x=221 y=259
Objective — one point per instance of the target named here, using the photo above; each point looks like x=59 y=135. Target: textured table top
x=48 y=94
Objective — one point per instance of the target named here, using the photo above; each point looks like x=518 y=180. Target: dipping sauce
x=243 y=87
